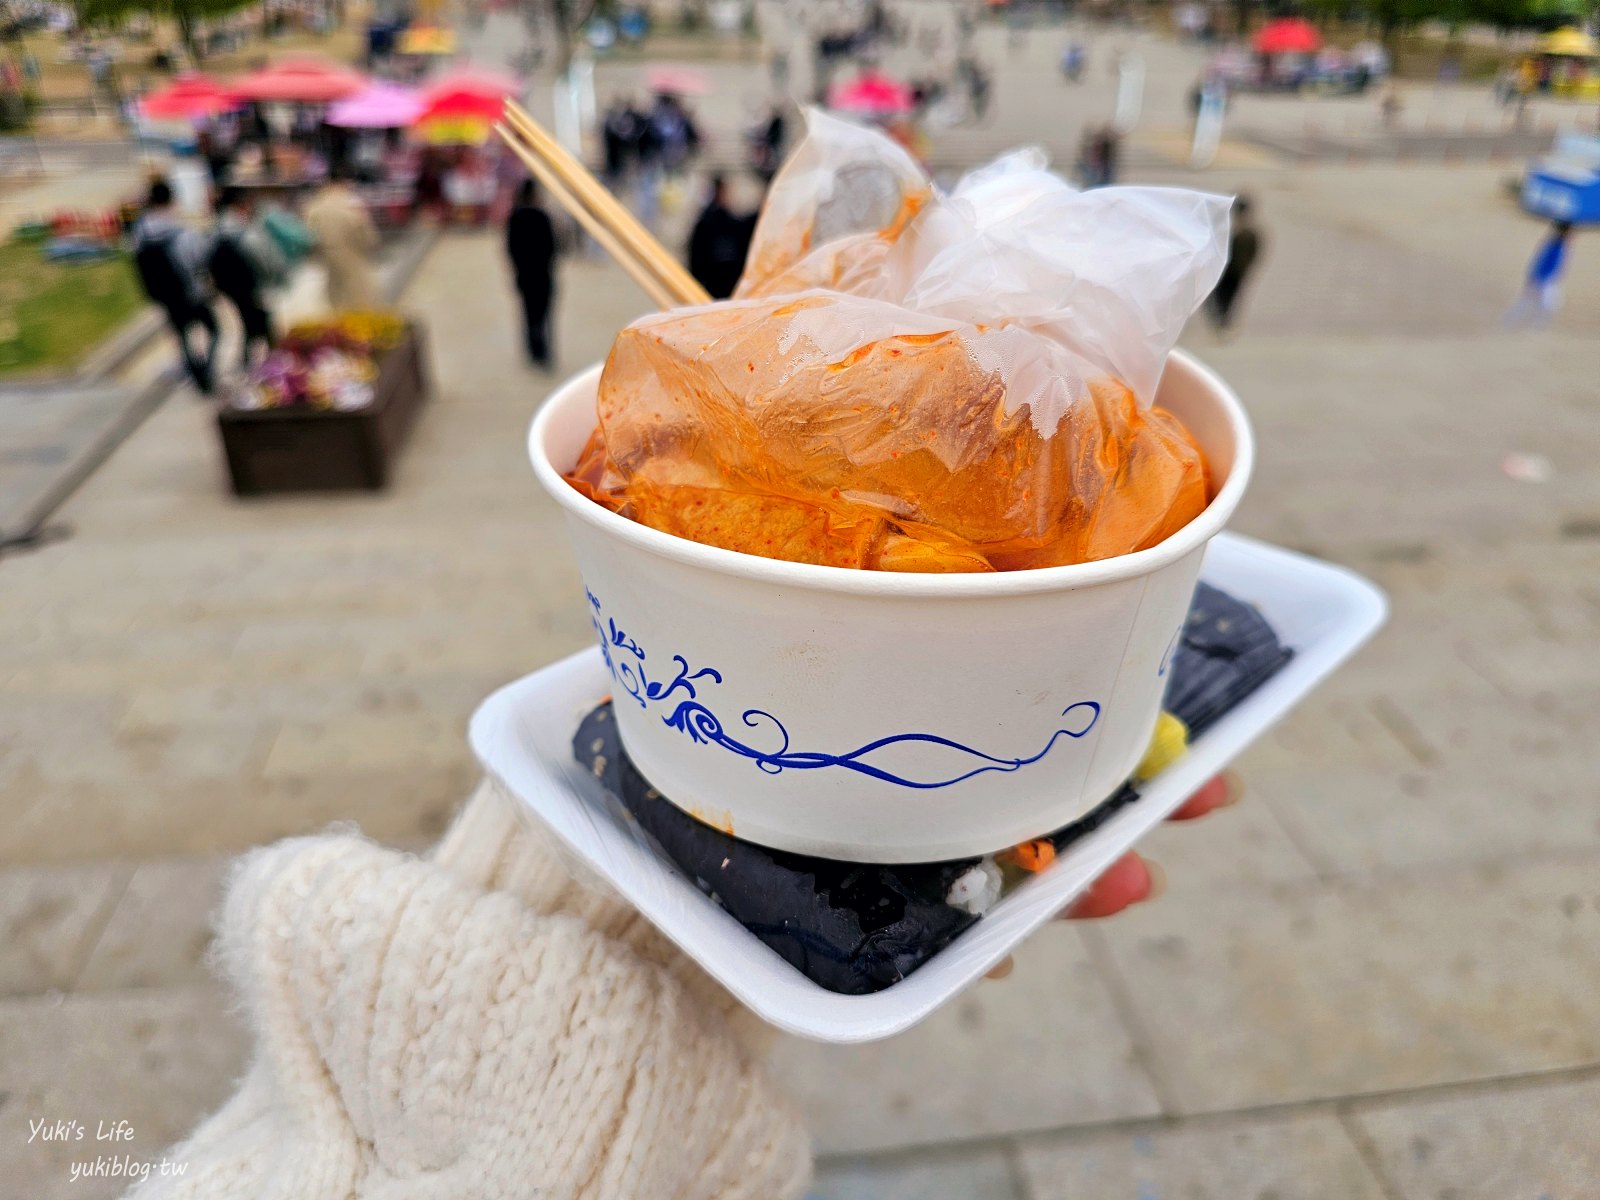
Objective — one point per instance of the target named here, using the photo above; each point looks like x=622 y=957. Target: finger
x=1217 y=793
x=1125 y=882
x=1002 y=968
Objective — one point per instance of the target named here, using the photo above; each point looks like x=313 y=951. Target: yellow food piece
x=1168 y=744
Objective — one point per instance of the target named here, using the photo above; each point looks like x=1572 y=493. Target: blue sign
x=1565 y=186
x=1562 y=197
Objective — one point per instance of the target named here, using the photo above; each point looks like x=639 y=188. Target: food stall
x=1567 y=63
x=386 y=168
x=458 y=112
x=291 y=97
x=1285 y=48
x=170 y=114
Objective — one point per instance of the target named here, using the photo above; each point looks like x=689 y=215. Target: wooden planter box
x=315 y=450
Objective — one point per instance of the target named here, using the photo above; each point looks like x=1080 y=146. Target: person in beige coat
x=346 y=239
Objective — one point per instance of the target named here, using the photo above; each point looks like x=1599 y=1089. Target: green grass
x=51 y=314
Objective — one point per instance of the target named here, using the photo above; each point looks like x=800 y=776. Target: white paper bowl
x=879 y=716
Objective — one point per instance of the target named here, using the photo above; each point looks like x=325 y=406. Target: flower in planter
x=363 y=330
x=340 y=380
x=315 y=367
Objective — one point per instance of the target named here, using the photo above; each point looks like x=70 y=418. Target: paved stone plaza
x=1376 y=977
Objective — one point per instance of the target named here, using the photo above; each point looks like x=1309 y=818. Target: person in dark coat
x=719 y=243
x=170 y=259
x=1244 y=247
x=243 y=261
x=531 y=246
x=621 y=131
x=766 y=144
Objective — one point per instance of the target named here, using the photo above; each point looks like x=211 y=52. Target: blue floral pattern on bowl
x=626 y=660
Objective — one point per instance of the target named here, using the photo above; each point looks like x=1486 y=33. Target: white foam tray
x=523 y=736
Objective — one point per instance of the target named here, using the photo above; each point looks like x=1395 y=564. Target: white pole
x=566 y=109
x=583 y=85
x=1208 y=127
x=1130 y=92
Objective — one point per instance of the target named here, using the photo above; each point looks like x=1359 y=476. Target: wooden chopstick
x=592 y=205
x=553 y=183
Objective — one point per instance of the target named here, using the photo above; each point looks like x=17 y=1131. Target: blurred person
x=1527 y=76
x=215 y=145
x=672 y=134
x=244 y=262
x=1111 y=153
x=1018 y=21
x=531 y=247
x=667 y=142
x=1526 y=80
x=621 y=131
x=1073 y=60
x=875 y=27
x=346 y=239
x=400 y=161
x=291 y=242
x=1191 y=20
x=1541 y=293
x=170 y=259
x=1505 y=86
x=766 y=143
x=365 y=155
x=979 y=88
x=307 y=121
x=1099 y=156
x=1389 y=106
x=428 y=196
x=1244 y=248
x=1089 y=167
x=719 y=243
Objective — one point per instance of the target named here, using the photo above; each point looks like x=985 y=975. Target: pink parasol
x=306 y=80
x=1287 y=35
x=186 y=98
x=871 y=93
x=676 y=81
x=379 y=106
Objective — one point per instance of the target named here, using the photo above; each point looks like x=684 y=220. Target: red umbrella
x=871 y=93
x=305 y=80
x=458 y=104
x=187 y=97
x=1288 y=35
x=474 y=94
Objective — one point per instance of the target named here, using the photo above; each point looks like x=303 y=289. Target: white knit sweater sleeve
x=474 y=1027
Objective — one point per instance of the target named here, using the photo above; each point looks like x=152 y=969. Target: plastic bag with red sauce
x=913 y=381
